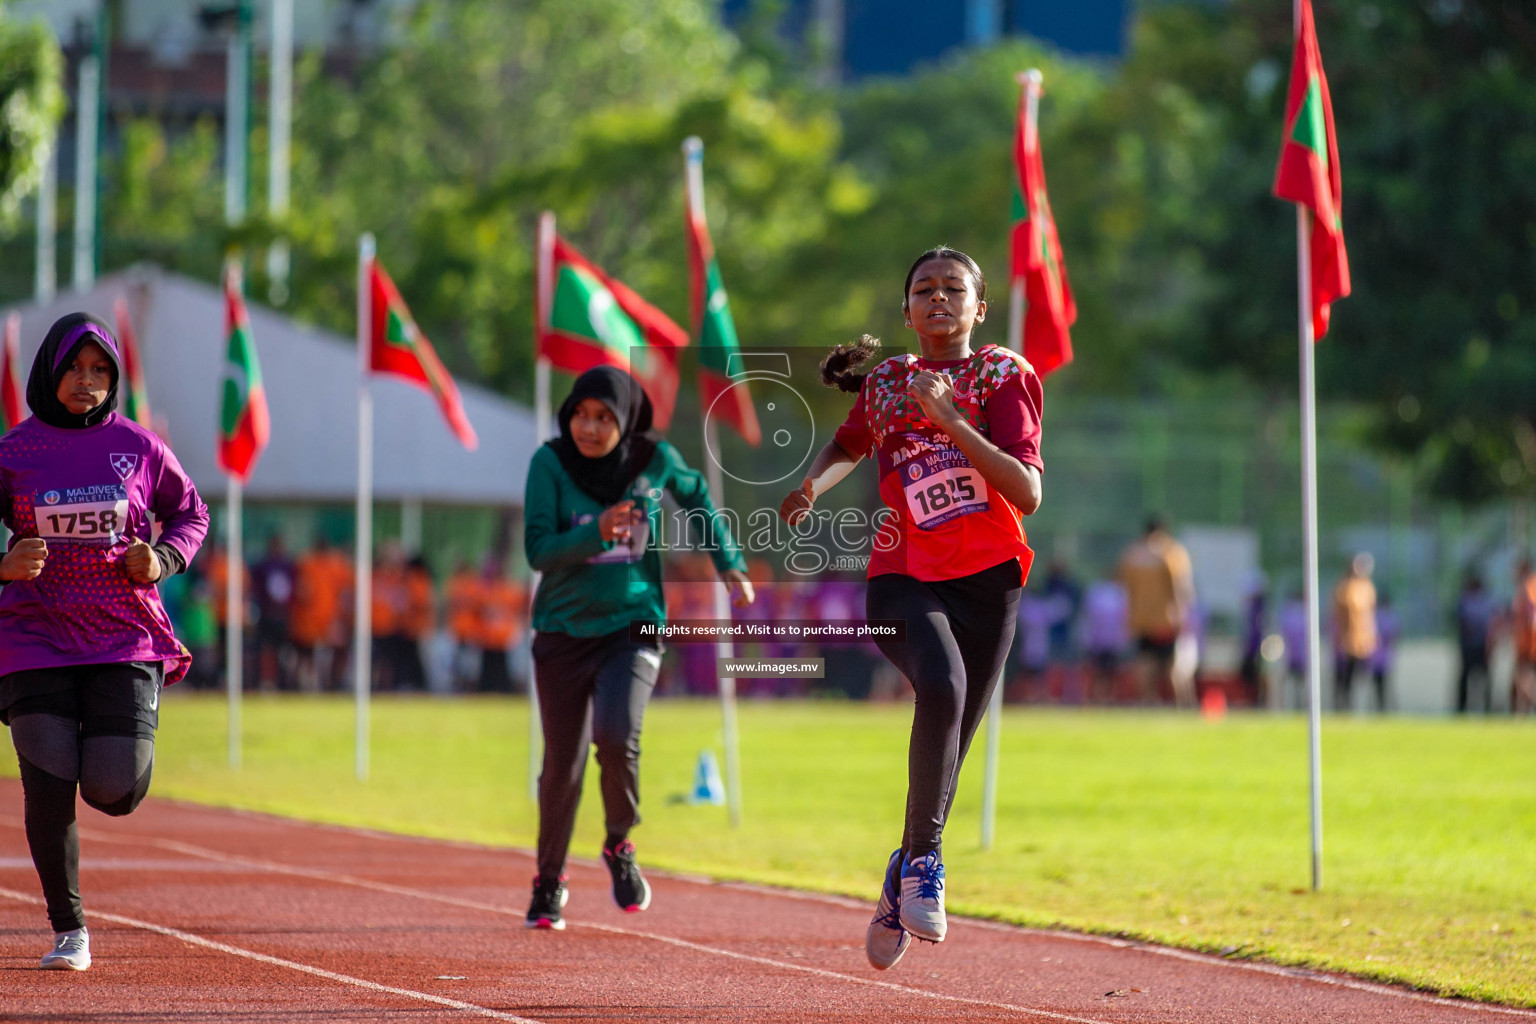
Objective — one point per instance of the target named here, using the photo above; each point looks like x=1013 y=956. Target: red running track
x=198 y=913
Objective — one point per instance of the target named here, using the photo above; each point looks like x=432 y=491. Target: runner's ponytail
x=837 y=369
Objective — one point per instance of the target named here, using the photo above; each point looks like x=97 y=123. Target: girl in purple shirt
x=85 y=644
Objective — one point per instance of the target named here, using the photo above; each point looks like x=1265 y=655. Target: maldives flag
x=11 y=410
x=1308 y=172
x=397 y=346
x=1037 y=258
x=587 y=319
x=713 y=326
x=244 y=425
x=136 y=404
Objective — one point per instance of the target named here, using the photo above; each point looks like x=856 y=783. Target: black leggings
x=86 y=725
x=592 y=691
x=958 y=634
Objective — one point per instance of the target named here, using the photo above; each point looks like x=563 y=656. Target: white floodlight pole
x=280 y=114
x=46 y=281
x=87 y=131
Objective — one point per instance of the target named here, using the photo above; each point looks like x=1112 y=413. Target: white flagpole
x=693 y=184
x=1309 y=541
x=544 y=259
x=362 y=619
x=726 y=647
x=1031 y=81
x=234 y=620
x=46 y=281
x=1309 y=524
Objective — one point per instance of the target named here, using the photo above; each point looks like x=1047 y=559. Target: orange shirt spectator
x=1354 y=616
x=389 y=599
x=464 y=597
x=321 y=581
x=503 y=608
x=420 y=616
x=1522 y=615
x=217 y=570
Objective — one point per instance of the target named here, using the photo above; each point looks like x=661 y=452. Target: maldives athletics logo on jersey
x=124 y=464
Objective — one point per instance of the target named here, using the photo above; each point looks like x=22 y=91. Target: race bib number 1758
x=94 y=514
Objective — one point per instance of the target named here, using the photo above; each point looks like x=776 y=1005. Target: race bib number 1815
x=93 y=515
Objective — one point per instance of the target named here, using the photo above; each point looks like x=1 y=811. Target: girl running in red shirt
x=956 y=436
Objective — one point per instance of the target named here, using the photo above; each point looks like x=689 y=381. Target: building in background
x=857 y=38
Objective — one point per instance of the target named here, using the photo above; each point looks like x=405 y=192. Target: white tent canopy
x=310 y=377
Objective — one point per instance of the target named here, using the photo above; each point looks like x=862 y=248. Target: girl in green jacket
x=591 y=492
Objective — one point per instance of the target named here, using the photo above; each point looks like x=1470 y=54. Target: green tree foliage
x=31 y=101
x=475 y=92
x=1437 y=137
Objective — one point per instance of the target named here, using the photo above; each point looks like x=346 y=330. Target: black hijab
x=607 y=478
x=65 y=338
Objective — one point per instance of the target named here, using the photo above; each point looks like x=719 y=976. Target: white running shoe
x=922 y=898
x=886 y=940
x=71 y=952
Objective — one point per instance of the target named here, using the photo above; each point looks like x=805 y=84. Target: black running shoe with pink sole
x=548 y=900
x=630 y=890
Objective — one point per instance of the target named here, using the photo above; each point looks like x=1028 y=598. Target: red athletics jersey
x=947 y=522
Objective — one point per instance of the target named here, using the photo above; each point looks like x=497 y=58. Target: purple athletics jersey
x=88 y=493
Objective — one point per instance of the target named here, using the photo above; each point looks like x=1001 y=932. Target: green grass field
x=1154 y=825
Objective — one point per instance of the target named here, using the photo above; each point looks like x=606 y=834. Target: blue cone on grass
x=707 y=785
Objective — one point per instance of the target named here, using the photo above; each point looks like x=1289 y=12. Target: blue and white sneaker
x=922 y=898
x=886 y=940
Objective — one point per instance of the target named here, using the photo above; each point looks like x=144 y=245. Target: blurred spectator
x=318 y=619
x=198 y=628
x=1036 y=615
x=465 y=590
x=1354 y=626
x=1159 y=587
x=502 y=617
x=1293 y=632
x=1105 y=636
x=1255 y=623
x=1065 y=595
x=272 y=580
x=1522 y=622
x=389 y=600
x=216 y=566
x=1477 y=615
x=1187 y=649
x=417 y=624
x=849 y=668
x=1388 y=628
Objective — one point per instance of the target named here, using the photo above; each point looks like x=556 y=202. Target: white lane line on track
x=319 y=972
x=1277 y=970
x=1135 y=945
x=422 y=894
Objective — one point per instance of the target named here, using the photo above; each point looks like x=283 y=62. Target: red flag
x=136 y=403
x=1037 y=259
x=720 y=396
x=587 y=319
x=1308 y=172
x=244 y=424
x=397 y=346
x=11 y=409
